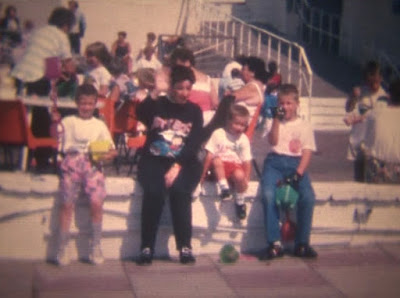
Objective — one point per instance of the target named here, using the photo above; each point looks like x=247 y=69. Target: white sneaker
x=63 y=257
x=96 y=256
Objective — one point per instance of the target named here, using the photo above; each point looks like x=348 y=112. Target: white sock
x=239 y=198
x=96 y=233
x=223 y=184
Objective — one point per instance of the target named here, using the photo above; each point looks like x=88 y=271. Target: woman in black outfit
x=169 y=164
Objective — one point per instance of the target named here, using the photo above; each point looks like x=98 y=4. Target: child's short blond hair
x=238 y=111
x=286 y=89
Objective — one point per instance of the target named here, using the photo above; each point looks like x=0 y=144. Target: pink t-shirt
x=201 y=94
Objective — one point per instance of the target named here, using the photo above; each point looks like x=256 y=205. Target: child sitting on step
x=229 y=154
x=292 y=142
x=81 y=168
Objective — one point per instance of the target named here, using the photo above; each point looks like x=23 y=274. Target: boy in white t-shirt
x=229 y=154
x=292 y=142
x=362 y=100
x=81 y=168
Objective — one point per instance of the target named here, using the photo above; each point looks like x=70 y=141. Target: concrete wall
x=368 y=25
x=346 y=213
x=105 y=18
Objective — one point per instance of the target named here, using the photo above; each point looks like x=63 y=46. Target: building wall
x=369 y=25
x=272 y=12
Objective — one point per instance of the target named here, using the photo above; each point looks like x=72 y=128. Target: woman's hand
x=55 y=115
x=171 y=175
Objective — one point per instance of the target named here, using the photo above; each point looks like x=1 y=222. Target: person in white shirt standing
x=48 y=41
x=78 y=29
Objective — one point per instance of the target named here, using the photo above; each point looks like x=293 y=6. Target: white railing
x=250 y=40
x=318 y=27
x=390 y=66
x=322 y=29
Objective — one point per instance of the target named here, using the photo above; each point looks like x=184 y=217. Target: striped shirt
x=48 y=41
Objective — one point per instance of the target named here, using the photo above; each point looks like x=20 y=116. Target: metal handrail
x=385 y=59
x=290 y=56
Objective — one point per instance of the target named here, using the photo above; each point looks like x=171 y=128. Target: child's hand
x=278 y=113
x=349 y=119
x=55 y=116
x=353 y=99
x=110 y=155
x=293 y=180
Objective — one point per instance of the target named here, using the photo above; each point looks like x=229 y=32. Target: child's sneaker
x=241 y=211
x=186 y=256
x=96 y=255
x=225 y=194
x=63 y=256
x=271 y=252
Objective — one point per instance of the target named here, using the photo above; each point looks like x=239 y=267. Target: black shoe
x=271 y=252
x=186 y=256
x=225 y=194
x=145 y=257
x=305 y=251
x=240 y=211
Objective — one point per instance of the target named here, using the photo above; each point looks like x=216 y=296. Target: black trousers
x=151 y=171
x=40 y=120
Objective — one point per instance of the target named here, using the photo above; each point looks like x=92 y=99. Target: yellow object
x=99 y=148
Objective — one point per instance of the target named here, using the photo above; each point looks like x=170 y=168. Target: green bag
x=286 y=196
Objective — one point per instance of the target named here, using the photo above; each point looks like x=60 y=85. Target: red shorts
x=230 y=168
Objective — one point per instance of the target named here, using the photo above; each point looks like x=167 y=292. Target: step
x=345 y=213
x=327 y=113
x=328 y=102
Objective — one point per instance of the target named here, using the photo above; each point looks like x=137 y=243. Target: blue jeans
x=276 y=167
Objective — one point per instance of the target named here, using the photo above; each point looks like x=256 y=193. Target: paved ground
x=369 y=271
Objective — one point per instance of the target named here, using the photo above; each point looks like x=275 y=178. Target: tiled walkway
x=366 y=271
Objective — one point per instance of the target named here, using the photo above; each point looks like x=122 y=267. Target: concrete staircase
x=346 y=213
x=326 y=114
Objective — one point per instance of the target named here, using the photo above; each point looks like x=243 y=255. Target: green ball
x=228 y=254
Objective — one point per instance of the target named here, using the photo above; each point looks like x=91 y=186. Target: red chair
x=253 y=123
x=107 y=110
x=135 y=143
x=15 y=130
x=122 y=122
x=129 y=139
